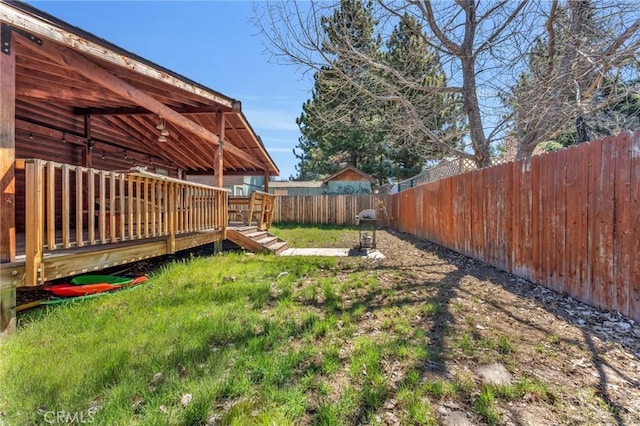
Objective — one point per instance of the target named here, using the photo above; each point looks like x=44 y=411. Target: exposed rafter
x=97 y=74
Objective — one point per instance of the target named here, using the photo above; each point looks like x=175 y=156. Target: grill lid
x=368 y=214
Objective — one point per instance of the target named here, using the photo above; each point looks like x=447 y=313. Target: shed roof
x=349 y=170
x=62 y=68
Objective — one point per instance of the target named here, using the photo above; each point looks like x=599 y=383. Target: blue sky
x=213 y=43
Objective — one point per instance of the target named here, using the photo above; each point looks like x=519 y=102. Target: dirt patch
x=589 y=358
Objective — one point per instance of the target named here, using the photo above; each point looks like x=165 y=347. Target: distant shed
x=349 y=180
x=346 y=181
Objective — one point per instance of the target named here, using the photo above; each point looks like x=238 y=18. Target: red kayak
x=71 y=290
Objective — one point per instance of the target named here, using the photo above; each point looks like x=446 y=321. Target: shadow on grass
x=523 y=289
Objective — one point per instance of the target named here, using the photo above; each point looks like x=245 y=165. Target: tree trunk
x=581 y=128
x=525 y=149
x=481 y=150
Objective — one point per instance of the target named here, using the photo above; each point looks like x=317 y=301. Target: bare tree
x=485 y=50
x=585 y=63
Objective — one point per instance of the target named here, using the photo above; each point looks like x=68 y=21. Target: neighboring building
x=237 y=185
x=312 y=187
x=348 y=181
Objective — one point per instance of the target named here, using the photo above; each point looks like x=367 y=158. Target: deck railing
x=70 y=206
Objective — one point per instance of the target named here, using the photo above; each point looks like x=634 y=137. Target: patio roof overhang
x=122 y=98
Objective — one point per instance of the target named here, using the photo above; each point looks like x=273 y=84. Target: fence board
x=573 y=227
x=623 y=225
x=634 y=241
x=325 y=209
x=536 y=218
x=606 y=229
x=547 y=164
x=582 y=240
x=507 y=207
x=477 y=232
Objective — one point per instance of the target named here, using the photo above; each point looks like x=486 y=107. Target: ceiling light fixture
x=162 y=126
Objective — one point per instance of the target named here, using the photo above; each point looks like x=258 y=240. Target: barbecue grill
x=366 y=223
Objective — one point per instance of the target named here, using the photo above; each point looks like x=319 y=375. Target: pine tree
x=341 y=127
x=338 y=127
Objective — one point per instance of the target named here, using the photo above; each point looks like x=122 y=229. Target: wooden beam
x=73 y=96
x=239 y=172
x=218 y=162
x=205 y=109
x=7 y=147
x=92 y=71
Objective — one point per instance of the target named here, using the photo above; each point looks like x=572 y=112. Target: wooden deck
x=104 y=219
x=80 y=219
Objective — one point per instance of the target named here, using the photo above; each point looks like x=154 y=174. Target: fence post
x=34 y=222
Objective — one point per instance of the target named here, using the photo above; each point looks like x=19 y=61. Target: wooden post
x=266 y=181
x=7 y=147
x=218 y=157
x=34 y=222
x=88 y=153
x=219 y=175
x=170 y=210
x=7 y=176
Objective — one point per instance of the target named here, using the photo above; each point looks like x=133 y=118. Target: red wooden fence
x=568 y=220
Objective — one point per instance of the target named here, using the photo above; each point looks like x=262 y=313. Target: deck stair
x=253 y=239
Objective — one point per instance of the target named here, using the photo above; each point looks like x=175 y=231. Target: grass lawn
x=238 y=339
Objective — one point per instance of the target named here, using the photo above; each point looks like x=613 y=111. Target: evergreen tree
x=338 y=127
x=342 y=127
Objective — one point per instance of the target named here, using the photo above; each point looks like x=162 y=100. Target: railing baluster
x=138 y=208
x=180 y=208
x=168 y=207
x=130 y=207
x=79 y=208
x=91 y=203
x=121 y=199
x=66 y=211
x=51 y=204
x=188 y=206
x=154 y=190
x=112 y=208
x=102 y=231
